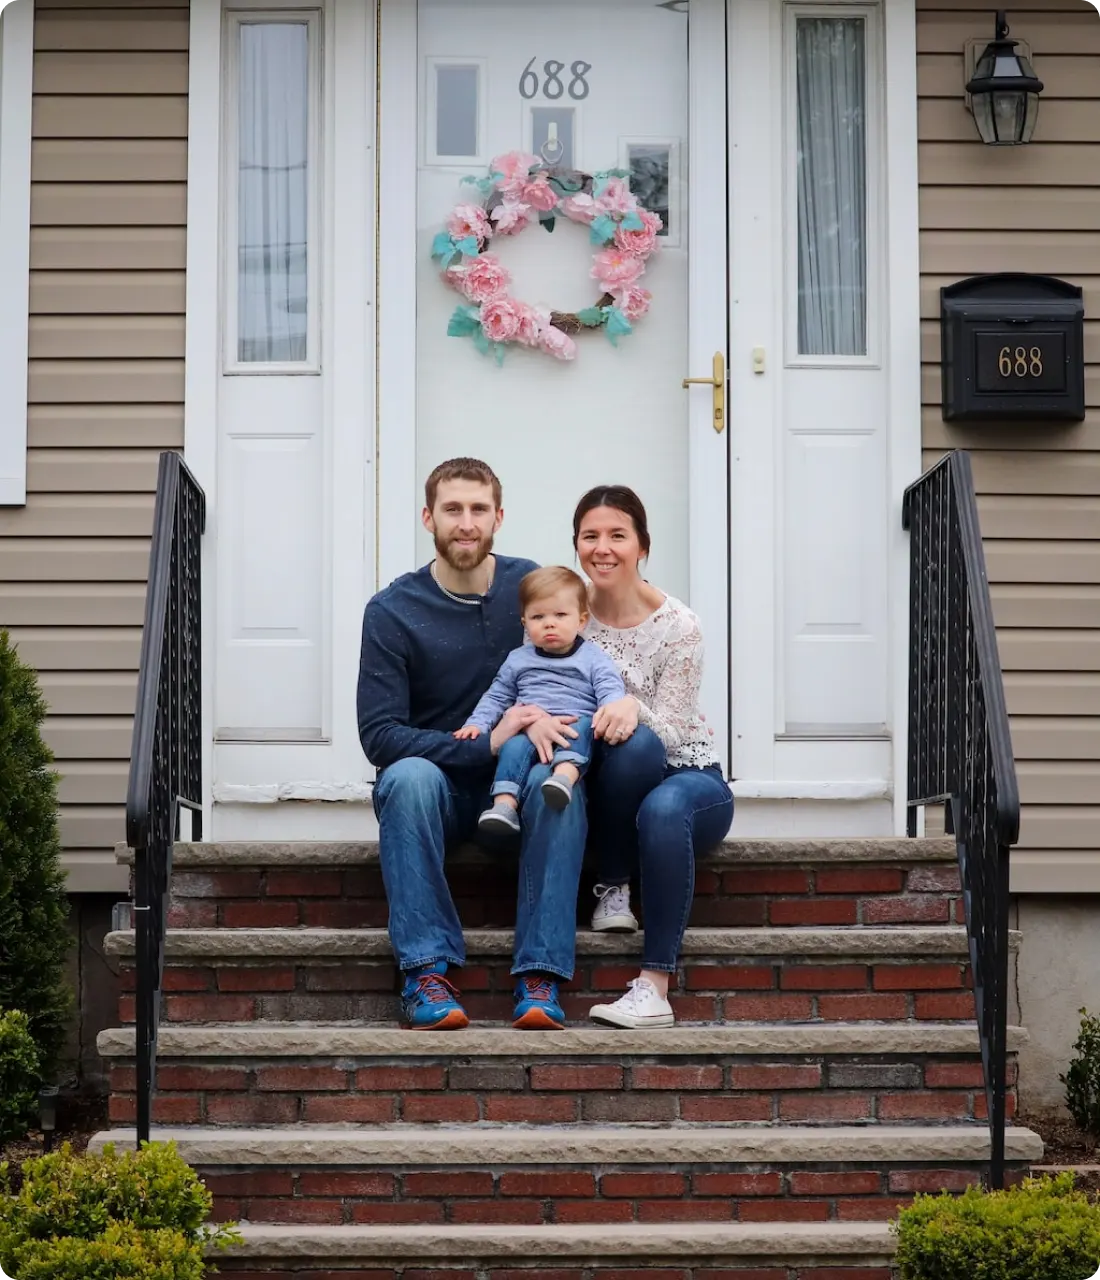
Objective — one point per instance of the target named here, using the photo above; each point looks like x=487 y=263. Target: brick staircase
x=824 y=1068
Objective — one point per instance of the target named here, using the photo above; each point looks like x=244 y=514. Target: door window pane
x=456 y=107
x=273 y=192
x=830 y=59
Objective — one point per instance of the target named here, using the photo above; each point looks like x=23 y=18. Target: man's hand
x=513 y=721
x=549 y=732
x=467 y=732
x=614 y=722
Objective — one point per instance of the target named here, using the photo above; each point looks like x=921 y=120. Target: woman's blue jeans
x=683 y=812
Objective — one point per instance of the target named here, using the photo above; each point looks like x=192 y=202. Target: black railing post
x=960 y=746
x=166 y=751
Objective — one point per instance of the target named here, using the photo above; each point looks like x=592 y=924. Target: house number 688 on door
x=551 y=82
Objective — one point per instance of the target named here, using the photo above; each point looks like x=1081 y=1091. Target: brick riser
x=353 y=897
x=310 y=1270
x=707 y=989
x=677 y=1193
x=806 y=1090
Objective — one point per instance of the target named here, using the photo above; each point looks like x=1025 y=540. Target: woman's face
x=608 y=546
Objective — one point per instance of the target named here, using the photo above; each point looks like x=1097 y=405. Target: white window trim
x=234 y=20
x=875 y=138
x=16 y=83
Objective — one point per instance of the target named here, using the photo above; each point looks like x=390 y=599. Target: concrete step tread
x=657 y=1242
x=303 y=853
x=323 y=1040
x=409 y=1144
x=895 y=941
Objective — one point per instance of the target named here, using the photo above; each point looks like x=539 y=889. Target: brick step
x=688 y=1251
x=412 y=1174
x=278 y=1074
x=743 y=883
x=640 y=1251
x=783 y=975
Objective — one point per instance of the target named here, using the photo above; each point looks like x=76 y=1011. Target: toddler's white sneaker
x=613 y=909
x=642 y=1006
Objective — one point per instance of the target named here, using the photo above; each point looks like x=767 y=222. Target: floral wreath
x=521 y=188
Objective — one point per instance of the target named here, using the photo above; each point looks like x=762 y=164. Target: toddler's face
x=554 y=622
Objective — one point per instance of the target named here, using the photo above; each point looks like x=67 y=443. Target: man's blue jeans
x=518 y=756
x=422 y=811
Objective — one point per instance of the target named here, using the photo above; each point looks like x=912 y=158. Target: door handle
x=717 y=381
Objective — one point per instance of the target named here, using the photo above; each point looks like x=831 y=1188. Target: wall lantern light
x=1004 y=91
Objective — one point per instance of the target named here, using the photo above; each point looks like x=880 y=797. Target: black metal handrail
x=960 y=746
x=166 y=751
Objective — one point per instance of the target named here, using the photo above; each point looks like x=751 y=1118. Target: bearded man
x=432 y=642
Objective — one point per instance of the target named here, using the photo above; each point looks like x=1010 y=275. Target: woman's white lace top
x=661 y=661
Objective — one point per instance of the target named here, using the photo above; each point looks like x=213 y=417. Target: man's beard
x=463 y=559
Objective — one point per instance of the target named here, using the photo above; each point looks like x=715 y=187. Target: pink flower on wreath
x=486 y=277
x=469 y=220
x=539 y=194
x=558 y=344
x=614 y=267
x=500 y=319
x=514 y=168
x=639 y=243
x=616 y=197
x=509 y=218
x=531 y=325
x=633 y=301
x=580 y=208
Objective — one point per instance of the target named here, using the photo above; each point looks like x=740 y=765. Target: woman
x=656 y=643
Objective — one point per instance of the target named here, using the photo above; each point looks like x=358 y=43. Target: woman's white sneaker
x=642 y=1006
x=613 y=909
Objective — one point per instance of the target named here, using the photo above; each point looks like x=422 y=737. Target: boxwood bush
x=19 y=1075
x=131 y=1216
x=1082 y=1079
x=34 y=936
x=1040 y=1230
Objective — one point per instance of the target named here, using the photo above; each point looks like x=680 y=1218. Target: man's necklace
x=451 y=595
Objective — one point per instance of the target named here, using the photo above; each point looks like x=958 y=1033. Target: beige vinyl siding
x=108 y=214
x=1034 y=208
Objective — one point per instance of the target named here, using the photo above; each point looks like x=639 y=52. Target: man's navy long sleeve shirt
x=426 y=660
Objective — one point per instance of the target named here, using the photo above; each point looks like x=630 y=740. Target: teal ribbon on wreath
x=445 y=249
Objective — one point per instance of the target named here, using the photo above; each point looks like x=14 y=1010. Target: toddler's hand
x=467 y=732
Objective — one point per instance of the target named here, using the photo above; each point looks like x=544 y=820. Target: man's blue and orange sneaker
x=537 y=1007
x=429 y=1002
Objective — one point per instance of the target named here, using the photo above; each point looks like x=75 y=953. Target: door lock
x=717 y=381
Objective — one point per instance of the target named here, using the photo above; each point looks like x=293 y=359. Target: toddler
x=560 y=672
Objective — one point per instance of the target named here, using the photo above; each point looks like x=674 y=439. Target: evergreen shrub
x=109 y=1217
x=19 y=1076
x=1040 y=1230
x=1082 y=1080
x=34 y=936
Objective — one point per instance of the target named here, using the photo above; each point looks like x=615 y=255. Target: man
x=432 y=643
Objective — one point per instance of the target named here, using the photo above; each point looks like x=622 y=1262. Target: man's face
x=463 y=522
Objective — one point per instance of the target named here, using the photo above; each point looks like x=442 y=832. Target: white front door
x=592 y=85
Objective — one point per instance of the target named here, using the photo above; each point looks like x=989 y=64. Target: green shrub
x=34 y=937
x=109 y=1217
x=19 y=1075
x=1082 y=1080
x=1040 y=1230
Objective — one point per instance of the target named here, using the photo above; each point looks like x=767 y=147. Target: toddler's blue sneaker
x=537 y=1007
x=429 y=1002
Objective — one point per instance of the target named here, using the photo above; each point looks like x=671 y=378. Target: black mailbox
x=1013 y=347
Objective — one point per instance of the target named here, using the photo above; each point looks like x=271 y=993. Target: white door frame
x=400 y=487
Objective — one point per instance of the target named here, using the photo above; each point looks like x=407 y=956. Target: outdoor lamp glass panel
x=1004 y=92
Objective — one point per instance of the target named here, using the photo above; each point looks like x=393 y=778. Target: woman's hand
x=614 y=722
x=513 y=721
x=467 y=733
x=550 y=732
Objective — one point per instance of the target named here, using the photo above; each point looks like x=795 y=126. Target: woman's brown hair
x=620 y=498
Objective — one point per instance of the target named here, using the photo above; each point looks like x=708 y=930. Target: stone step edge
x=894 y=942
x=764 y=852
x=801 y=1243
x=322 y=1040
x=433 y=1145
